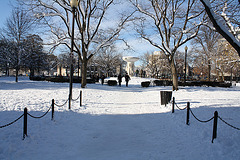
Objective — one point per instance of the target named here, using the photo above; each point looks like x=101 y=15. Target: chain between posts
x=199 y=119
x=179 y=107
x=62 y=104
x=175 y=104
x=80 y=96
x=215 y=118
x=12 y=122
x=40 y=116
x=76 y=98
x=25 y=114
x=228 y=123
x=188 y=106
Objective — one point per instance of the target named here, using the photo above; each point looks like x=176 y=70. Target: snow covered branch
x=220 y=27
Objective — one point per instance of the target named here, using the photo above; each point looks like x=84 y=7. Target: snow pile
x=116 y=123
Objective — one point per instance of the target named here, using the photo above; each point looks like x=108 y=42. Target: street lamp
x=186 y=48
x=74 y=4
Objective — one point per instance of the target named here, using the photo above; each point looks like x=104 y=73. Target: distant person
x=127 y=78
x=144 y=74
x=137 y=73
x=102 y=78
x=120 y=79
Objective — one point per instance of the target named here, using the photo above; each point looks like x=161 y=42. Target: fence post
x=25 y=123
x=215 y=126
x=173 y=103
x=188 y=112
x=52 y=109
x=69 y=101
x=80 y=98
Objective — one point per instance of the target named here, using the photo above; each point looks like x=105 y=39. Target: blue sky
x=140 y=46
x=5 y=10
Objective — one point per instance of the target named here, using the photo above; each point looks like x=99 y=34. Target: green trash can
x=166 y=97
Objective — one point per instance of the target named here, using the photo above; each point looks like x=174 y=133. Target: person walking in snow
x=119 y=79
x=102 y=78
x=127 y=78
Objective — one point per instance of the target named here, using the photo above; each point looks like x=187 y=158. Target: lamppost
x=74 y=4
x=186 y=48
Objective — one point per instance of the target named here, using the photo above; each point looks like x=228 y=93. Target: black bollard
x=215 y=126
x=69 y=100
x=173 y=103
x=80 y=98
x=188 y=112
x=52 y=109
x=25 y=123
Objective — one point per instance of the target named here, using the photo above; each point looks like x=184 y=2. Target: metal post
x=71 y=58
x=52 y=109
x=188 y=112
x=25 y=123
x=80 y=98
x=161 y=102
x=173 y=103
x=186 y=48
x=215 y=126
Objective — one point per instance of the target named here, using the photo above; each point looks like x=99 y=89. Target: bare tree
x=52 y=62
x=95 y=26
x=175 y=22
x=8 y=50
x=225 y=28
x=225 y=59
x=156 y=64
x=64 y=61
x=180 y=65
x=17 y=27
x=108 y=59
x=205 y=48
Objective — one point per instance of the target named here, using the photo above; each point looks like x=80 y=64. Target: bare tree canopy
x=168 y=25
x=17 y=27
x=95 y=27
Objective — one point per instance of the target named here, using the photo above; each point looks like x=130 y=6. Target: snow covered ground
x=117 y=123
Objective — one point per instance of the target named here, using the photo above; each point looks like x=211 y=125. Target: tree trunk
x=174 y=75
x=209 y=70
x=222 y=76
x=7 y=70
x=84 y=73
x=31 y=72
x=17 y=69
x=17 y=74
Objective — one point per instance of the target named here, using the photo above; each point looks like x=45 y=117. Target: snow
x=116 y=123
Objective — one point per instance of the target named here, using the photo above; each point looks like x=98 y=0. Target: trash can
x=166 y=97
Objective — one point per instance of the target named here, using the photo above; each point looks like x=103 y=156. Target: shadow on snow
x=142 y=136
